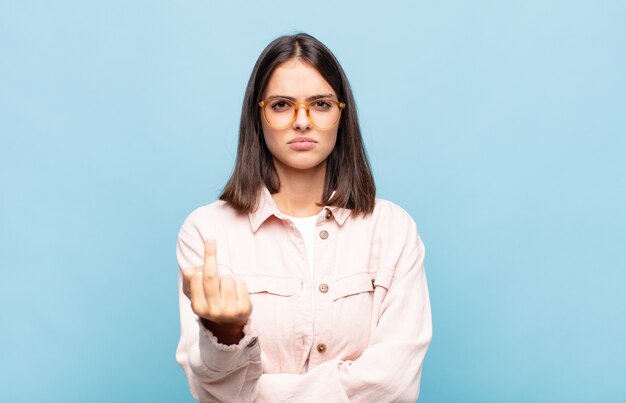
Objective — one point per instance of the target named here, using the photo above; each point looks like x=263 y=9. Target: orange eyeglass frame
x=307 y=107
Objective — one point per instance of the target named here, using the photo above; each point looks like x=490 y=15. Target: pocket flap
x=273 y=285
x=361 y=282
x=383 y=277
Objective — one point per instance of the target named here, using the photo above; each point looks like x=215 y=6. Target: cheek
x=270 y=137
x=332 y=141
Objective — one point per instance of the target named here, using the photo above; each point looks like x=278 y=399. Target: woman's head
x=302 y=69
x=299 y=118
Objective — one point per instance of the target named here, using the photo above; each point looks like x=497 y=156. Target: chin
x=304 y=167
x=302 y=164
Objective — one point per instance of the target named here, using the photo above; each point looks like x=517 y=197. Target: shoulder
x=391 y=214
x=388 y=207
x=401 y=244
x=218 y=213
x=217 y=209
x=395 y=228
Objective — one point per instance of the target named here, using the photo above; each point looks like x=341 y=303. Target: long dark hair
x=348 y=172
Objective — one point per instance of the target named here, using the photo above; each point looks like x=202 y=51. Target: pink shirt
x=364 y=340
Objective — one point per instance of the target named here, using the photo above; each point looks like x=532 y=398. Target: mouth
x=302 y=144
x=302 y=140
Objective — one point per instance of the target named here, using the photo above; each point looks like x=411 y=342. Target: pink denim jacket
x=363 y=340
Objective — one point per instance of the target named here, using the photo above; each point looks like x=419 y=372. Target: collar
x=267 y=207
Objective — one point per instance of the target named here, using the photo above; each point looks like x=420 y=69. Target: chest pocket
x=358 y=300
x=351 y=313
x=273 y=317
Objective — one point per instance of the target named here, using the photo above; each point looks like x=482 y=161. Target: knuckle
x=214 y=312
x=228 y=313
x=190 y=271
x=242 y=285
x=197 y=308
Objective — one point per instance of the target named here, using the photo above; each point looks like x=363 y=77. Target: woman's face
x=301 y=145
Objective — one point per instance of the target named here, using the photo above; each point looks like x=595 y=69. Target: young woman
x=298 y=285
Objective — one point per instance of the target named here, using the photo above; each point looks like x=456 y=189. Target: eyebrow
x=311 y=98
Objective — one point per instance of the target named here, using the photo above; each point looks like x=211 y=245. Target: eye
x=280 y=105
x=322 y=105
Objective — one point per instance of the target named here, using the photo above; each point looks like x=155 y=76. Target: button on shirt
x=365 y=338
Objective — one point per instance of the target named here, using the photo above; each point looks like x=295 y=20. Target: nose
x=302 y=120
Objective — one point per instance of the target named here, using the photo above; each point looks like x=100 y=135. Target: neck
x=300 y=190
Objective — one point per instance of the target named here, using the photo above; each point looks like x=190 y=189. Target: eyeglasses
x=280 y=113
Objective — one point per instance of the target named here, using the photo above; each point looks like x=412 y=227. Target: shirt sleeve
x=389 y=370
x=215 y=372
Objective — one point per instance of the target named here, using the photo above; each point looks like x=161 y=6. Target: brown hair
x=348 y=171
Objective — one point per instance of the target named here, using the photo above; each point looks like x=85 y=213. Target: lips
x=302 y=140
x=302 y=143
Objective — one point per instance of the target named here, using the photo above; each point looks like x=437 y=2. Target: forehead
x=297 y=79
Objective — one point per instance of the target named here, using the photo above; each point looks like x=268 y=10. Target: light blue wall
x=500 y=126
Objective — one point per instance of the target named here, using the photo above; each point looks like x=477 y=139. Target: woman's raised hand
x=223 y=301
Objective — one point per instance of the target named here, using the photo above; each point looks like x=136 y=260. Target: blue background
x=500 y=126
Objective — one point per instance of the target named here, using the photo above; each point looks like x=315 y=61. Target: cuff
x=223 y=358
